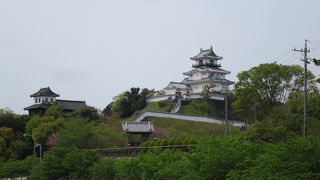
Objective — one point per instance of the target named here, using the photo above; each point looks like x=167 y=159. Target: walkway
x=198 y=118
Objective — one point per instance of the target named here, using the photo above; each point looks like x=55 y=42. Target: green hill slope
x=167 y=127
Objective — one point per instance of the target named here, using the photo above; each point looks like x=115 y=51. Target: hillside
x=212 y=108
x=168 y=128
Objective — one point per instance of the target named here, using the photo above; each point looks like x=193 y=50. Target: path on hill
x=198 y=118
x=177 y=106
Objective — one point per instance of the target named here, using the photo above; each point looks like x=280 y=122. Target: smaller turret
x=206 y=58
x=44 y=96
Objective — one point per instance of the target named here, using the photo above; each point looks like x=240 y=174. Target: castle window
x=46 y=99
x=39 y=100
x=51 y=99
x=36 y=100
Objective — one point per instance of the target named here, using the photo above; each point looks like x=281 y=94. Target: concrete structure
x=143 y=129
x=198 y=118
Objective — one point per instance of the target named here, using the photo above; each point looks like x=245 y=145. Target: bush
x=103 y=169
x=162 y=104
x=217 y=156
x=165 y=164
x=87 y=135
x=298 y=158
x=65 y=163
x=163 y=142
x=13 y=169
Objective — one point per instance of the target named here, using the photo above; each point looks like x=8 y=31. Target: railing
x=206 y=64
x=133 y=151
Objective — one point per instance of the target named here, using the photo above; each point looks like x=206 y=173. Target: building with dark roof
x=44 y=98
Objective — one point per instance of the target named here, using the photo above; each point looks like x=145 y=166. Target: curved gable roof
x=45 y=92
x=206 y=54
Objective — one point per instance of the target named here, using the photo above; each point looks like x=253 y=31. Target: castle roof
x=204 y=80
x=71 y=105
x=206 y=54
x=45 y=92
x=174 y=85
x=216 y=69
x=65 y=104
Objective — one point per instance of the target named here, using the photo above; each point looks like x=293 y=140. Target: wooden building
x=44 y=98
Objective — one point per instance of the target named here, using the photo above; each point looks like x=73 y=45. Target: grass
x=156 y=106
x=168 y=128
x=193 y=107
x=196 y=107
x=152 y=106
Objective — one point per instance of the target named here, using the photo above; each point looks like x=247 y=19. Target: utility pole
x=305 y=59
x=226 y=108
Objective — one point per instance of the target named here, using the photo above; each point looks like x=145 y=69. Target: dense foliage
x=271 y=148
x=221 y=157
x=12 y=142
x=126 y=103
x=266 y=86
x=87 y=135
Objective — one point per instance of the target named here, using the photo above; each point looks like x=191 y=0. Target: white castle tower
x=205 y=71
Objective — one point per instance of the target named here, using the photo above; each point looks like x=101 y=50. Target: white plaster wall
x=43 y=98
x=198 y=75
x=197 y=88
x=170 y=91
x=173 y=91
x=160 y=98
x=219 y=87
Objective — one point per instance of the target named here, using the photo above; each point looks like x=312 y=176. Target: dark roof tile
x=71 y=105
x=45 y=92
x=206 y=54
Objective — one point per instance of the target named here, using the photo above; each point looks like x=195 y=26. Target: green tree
x=125 y=104
x=217 y=156
x=206 y=91
x=32 y=123
x=269 y=130
x=87 y=113
x=65 y=163
x=55 y=111
x=11 y=120
x=18 y=168
x=107 y=111
x=41 y=128
x=266 y=86
x=290 y=114
x=297 y=158
x=103 y=169
x=87 y=135
x=11 y=146
x=165 y=164
x=46 y=127
x=78 y=162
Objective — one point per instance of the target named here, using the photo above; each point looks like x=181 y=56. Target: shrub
x=103 y=169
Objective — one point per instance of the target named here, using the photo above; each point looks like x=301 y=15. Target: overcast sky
x=94 y=50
